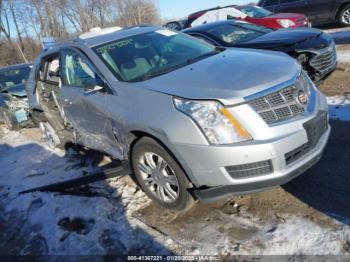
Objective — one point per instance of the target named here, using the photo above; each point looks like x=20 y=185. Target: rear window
x=255 y=11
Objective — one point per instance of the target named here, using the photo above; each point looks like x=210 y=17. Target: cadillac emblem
x=302 y=97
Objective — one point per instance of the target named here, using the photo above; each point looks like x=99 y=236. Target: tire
x=10 y=120
x=344 y=16
x=174 y=26
x=160 y=176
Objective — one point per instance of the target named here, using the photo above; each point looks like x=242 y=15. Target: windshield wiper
x=201 y=57
x=152 y=75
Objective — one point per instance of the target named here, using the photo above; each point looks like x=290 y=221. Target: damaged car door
x=84 y=95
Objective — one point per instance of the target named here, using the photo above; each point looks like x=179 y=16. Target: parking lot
x=310 y=215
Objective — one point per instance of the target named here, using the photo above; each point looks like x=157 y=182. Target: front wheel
x=159 y=175
x=344 y=16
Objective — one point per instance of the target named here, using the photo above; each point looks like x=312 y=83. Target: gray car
x=196 y=122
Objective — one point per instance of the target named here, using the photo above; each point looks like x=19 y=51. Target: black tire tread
x=185 y=200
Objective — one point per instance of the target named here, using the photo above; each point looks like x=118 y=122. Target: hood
x=286 y=16
x=283 y=37
x=16 y=90
x=228 y=76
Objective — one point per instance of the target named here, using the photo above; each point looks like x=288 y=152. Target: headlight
x=286 y=23
x=215 y=121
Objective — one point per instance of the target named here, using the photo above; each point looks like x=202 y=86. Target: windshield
x=148 y=55
x=13 y=77
x=231 y=34
x=255 y=11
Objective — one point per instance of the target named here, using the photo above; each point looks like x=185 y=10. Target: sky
x=181 y=8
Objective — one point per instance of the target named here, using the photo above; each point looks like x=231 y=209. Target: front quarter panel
x=136 y=109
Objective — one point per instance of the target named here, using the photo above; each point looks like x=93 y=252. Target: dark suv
x=318 y=11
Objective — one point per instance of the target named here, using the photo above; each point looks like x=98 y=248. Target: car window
x=76 y=71
x=14 y=77
x=255 y=11
x=231 y=34
x=271 y=2
x=289 y=1
x=148 y=55
x=203 y=38
x=49 y=71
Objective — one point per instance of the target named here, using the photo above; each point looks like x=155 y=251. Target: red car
x=250 y=13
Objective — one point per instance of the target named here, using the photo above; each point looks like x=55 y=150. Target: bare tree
x=135 y=12
x=23 y=23
x=6 y=29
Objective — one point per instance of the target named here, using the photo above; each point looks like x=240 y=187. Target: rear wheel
x=344 y=16
x=174 y=26
x=159 y=175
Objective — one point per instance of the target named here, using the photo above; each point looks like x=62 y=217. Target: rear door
x=293 y=6
x=84 y=95
x=321 y=10
x=272 y=5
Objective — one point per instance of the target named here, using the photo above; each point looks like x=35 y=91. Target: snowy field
x=114 y=216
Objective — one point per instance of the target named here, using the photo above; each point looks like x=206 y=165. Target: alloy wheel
x=159 y=177
x=346 y=17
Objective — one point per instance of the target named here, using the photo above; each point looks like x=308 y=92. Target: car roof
x=205 y=27
x=17 y=66
x=99 y=39
x=211 y=9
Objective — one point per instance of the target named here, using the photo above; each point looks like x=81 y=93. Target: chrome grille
x=325 y=61
x=283 y=104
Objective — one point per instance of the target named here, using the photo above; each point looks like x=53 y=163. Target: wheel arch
x=340 y=9
x=138 y=134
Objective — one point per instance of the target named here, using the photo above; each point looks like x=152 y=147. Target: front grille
x=281 y=105
x=325 y=61
x=315 y=129
x=250 y=170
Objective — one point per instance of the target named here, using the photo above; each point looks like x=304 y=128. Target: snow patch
x=339 y=107
x=343 y=56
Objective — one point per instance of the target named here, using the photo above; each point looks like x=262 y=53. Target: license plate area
x=315 y=128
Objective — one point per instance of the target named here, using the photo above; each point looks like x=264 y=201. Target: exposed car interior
x=48 y=90
x=150 y=54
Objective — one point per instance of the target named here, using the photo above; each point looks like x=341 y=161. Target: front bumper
x=216 y=193
x=216 y=182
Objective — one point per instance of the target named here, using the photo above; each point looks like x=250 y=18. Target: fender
x=340 y=5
